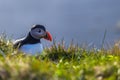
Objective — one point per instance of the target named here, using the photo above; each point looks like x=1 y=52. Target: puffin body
x=32 y=44
x=32 y=48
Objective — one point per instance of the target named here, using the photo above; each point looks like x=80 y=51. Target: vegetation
x=59 y=62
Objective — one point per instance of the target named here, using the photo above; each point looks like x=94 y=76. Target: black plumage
x=28 y=40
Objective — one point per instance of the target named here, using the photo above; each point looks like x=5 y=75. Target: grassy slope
x=59 y=63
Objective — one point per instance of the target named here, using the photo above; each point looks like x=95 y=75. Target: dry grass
x=60 y=62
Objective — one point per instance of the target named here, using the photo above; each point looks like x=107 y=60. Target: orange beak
x=48 y=36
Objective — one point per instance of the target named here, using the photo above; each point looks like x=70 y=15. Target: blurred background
x=84 y=21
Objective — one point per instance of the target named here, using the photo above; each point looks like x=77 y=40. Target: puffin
x=31 y=44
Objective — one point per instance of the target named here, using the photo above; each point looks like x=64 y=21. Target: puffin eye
x=39 y=31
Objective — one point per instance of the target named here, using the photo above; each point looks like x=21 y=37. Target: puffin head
x=39 y=31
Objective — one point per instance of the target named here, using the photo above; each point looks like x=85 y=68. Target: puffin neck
x=30 y=40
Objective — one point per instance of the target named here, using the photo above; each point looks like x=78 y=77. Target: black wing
x=17 y=44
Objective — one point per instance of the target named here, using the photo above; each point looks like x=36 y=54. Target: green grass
x=59 y=62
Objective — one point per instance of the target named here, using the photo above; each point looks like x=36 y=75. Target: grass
x=59 y=62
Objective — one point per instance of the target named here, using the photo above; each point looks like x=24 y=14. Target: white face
x=38 y=33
